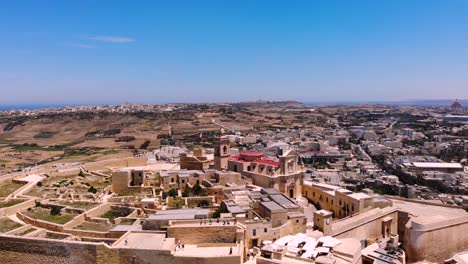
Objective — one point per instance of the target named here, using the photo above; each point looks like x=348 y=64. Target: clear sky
x=223 y=51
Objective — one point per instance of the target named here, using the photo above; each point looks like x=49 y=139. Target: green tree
x=186 y=192
x=197 y=189
x=172 y=193
x=92 y=189
x=218 y=212
x=55 y=210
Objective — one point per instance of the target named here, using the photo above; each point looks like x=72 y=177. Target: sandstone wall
x=16 y=250
x=203 y=234
x=16 y=208
x=437 y=241
x=366 y=226
x=151 y=256
x=27 y=250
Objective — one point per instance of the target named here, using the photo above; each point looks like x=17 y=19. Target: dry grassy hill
x=89 y=136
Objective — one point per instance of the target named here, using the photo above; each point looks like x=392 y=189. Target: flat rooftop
x=146 y=240
x=425 y=210
x=180 y=214
x=124 y=228
x=443 y=165
x=272 y=206
x=218 y=251
x=359 y=196
x=283 y=201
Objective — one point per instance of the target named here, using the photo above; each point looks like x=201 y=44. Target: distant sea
x=434 y=103
x=442 y=102
x=30 y=106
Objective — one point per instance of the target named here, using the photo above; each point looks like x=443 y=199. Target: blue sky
x=223 y=51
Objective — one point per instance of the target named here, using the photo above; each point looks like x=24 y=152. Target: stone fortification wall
x=26 y=250
x=435 y=241
x=366 y=226
x=44 y=251
x=203 y=234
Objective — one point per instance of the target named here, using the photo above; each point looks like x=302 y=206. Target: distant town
x=250 y=182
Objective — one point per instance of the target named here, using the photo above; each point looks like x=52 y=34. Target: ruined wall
x=16 y=208
x=435 y=241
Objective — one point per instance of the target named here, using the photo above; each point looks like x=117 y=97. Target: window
x=352 y=207
x=254 y=232
x=340 y=202
x=224 y=149
x=183 y=181
x=313 y=194
x=265 y=230
x=249 y=168
x=172 y=179
x=332 y=202
x=297 y=220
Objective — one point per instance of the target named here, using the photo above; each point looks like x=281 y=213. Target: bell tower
x=222 y=151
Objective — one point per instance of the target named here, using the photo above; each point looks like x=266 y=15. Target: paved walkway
x=194 y=250
x=16 y=219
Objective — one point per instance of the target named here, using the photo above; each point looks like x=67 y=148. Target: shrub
x=92 y=189
x=172 y=193
x=186 y=192
x=145 y=144
x=218 y=212
x=125 y=139
x=111 y=132
x=203 y=203
x=55 y=210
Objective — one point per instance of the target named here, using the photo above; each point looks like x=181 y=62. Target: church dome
x=456 y=105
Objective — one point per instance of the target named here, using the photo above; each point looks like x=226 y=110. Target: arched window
x=249 y=168
x=224 y=149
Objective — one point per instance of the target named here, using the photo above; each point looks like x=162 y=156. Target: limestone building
x=122 y=180
x=285 y=174
x=341 y=202
x=199 y=160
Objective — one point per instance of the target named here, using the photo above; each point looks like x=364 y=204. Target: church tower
x=222 y=151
